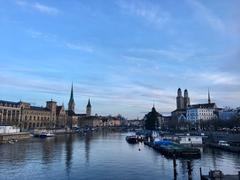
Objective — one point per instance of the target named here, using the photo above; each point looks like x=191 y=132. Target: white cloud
x=38 y=7
x=54 y=39
x=173 y=53
x=150 y=12
x=221 y=78
x=45 y=9
x=205 y=13
x=80 y=47
x=42 y=36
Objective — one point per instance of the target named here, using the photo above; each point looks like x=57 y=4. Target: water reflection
x=47 y=151
x=88 y=137
x=69 y=151
x=97 y=155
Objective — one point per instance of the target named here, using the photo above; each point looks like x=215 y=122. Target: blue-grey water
x=103 y=155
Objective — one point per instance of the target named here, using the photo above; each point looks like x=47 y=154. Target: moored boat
x=170 y=149
x=132 y=139
x=46 y=134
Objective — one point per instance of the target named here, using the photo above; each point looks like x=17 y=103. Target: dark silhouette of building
x=183 y=102
x=88 y=108
x=71 y=103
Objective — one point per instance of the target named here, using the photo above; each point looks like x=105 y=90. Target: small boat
x=223 y=143
x=132 y=139
x=218 y=174
x=46 y=134
x=11 y=142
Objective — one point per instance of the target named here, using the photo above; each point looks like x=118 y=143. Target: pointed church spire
x=88 y=108
x=71 y=96
x=209 y=99
x=71 y=103
x=89 y=103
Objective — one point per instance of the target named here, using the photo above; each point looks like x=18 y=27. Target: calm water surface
x=102 y=155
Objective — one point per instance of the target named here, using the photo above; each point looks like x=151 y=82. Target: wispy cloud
x=153 y=13
x=205 y=13
x=80 y=47
x=59 y=42
x=41 y=35
x=38 y=7
x=221 y=78
x=173 y=53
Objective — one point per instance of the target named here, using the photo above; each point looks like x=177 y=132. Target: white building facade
x=9 y=129
x=202 y=112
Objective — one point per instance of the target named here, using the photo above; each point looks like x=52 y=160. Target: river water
x=102 y=155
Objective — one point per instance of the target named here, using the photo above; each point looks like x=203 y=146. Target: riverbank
x=4 y=138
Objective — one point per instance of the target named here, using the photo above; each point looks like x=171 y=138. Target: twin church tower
x=71 y=104
x=182 y=101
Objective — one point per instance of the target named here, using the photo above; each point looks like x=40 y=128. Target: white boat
x=191 y=140
x=11 y=142
x=223 y=143
x=46 y=134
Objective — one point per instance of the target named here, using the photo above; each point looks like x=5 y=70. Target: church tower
x=209 y=99
x=71 y=103
x=186 y=99
x=88 y=108
x=179 y=99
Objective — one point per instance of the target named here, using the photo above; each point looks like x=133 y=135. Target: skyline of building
x=182 y=102
x=52 y=116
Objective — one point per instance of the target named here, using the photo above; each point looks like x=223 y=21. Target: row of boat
x=172 y=149
x=166 y=147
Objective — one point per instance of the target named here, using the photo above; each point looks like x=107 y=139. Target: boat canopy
x=163 y=142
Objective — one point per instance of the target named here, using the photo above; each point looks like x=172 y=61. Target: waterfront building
x=25 y=116
x=61 y=121
x=99 y=121
x=204 y=112
x=39 y=117
x=159 y=121
x=10 y=113
x=201 y=112
x=73 y=118
x=133 y=123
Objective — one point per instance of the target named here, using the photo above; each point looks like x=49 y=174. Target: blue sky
x=125 y=54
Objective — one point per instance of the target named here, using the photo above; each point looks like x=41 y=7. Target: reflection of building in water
x=69 y=151
x=87 y=147
x=48 y=151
